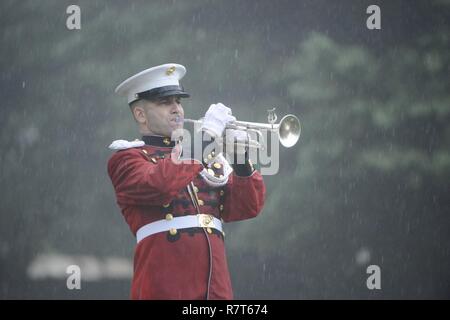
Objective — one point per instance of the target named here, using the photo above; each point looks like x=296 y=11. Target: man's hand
x=238 y=137
x=236 y=148
x=216 y=119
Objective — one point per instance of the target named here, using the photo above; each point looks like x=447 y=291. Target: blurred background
x=367 y=184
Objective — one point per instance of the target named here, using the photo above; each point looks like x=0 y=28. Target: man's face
x=164 y=115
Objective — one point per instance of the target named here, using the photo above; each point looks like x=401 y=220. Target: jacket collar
x=159 y=141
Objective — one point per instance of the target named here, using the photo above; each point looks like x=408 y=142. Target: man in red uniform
x=176 y=207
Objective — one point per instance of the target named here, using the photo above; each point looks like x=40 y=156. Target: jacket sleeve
x=244 y=197
x=138 y=181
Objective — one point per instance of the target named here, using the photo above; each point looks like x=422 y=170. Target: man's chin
x=175 y=126
x=177 y=131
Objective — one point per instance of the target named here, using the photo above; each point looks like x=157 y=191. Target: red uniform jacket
x=192 y=263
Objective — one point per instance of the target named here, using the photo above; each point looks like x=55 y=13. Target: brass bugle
x=288 y=129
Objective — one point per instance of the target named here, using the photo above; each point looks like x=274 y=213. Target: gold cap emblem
x=170 y=70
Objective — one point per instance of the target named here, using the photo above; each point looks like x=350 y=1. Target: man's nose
x=176 y=107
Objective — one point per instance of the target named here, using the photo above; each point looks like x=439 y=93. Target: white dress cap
x=154 y=82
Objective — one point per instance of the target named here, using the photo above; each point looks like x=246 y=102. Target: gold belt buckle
x=205 y=220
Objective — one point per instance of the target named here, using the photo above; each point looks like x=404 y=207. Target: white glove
x=212 y=179
x=216 y=119
x=233 y=136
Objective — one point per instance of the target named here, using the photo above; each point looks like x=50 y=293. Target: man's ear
x=139 y=114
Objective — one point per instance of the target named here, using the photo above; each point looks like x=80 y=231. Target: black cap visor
x=163 y=92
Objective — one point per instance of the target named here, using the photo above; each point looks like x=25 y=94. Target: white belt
x=191 y=221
